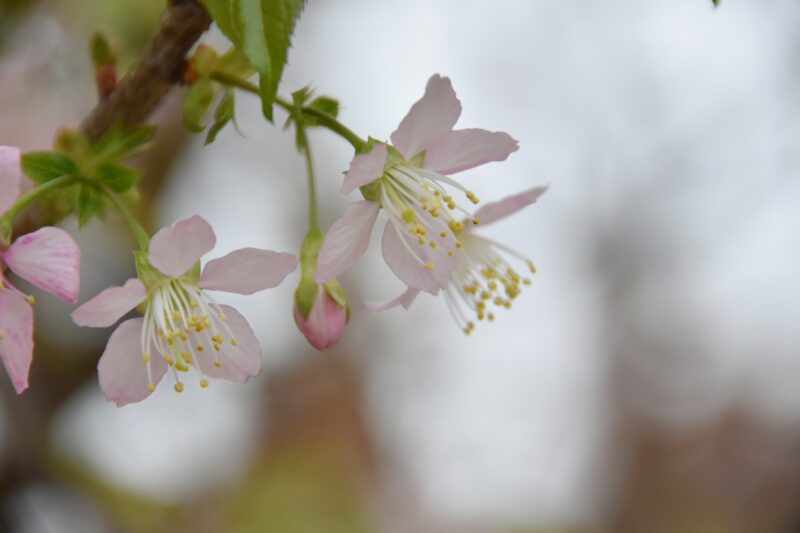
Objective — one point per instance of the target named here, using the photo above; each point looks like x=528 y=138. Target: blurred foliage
x=296 y=491
x=136 y=512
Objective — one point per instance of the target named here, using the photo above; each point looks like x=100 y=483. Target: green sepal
x=305 y=295
x=197 y=102
x=147 y=273
x=42 y=167
x=325 y=104
x=88 y=203
x=335 y=291
x=6 y=229
x=306 y=291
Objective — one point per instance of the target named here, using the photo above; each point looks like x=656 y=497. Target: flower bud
x=321 y=311
x=325 y=323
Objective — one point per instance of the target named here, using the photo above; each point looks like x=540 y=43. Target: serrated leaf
x=46 y=166
x=265 y=28
x=88 y=203
x=196 y=103
x=221 y=12
x=119 y=178
x=222 y=115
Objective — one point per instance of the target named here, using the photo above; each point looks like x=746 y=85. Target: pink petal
x=247 y=270
x=121 y=370
x=110 y=305
x=48 y=258
x=175 y=249
x=325 y=324
x=462 y=149
x=365 y=168
x=347 y=240
x=405 y=299
x=404 y=265
x=237 y=363
x=10 y=176
x=429 y=119
x=509 y=205
x=16 y=337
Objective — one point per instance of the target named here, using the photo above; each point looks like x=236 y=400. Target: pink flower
x=183 y=327
x=47 y=258
x=481 y=277
x=325 y=324
x=406 y=179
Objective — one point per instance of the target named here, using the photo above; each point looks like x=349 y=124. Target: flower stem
x=325 y=119
x=142 y=237
x=313 y=220
x=31 y=195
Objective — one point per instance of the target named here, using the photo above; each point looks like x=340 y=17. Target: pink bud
x=325 y=323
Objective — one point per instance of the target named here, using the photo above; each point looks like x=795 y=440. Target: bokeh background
x=646 y=382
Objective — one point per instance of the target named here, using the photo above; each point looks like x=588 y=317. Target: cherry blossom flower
x=482 y=278
x=325 y=324
x=48 y=258
x=183 y=327
x=407 y=181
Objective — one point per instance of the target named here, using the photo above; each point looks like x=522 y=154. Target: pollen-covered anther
x=234 y=342
x=472 y=197
x=430 y=265
x=178 y=387
x=31 y=299
x=217 y=364
x=146 y=357
x=203 y=383
x=151 y=387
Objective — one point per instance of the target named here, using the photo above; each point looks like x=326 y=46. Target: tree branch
x=142 y=89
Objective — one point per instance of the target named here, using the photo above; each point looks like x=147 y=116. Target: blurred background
x=645 y=382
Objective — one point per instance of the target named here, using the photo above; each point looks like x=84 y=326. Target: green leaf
x=196 y=104
x=222 y=115
x=119 y=178
x=265 y=28
x=88 y=203
x=46 y=166
x=222 y=13
x=101 y=50
x=119 y=143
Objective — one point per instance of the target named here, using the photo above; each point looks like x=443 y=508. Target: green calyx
x=306 y=293
x=372 y=191
x=152 y=278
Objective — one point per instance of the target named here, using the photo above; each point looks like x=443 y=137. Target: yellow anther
x=217 y=364
x=421 y=239
x=434 y=211
x=526 y=281
x=216 y=338
x=450 y=252
x=31 y=299
x=492 y=285
x=443 y=234
x=432 y=244
x=186 y=357
x=436 y=193
x=476 y=220
x=151 y=387
x=408 y=215
x=179 y=387
x=146 y=357
x=458 y=244
x=233 y=342
x=429 y=265
x=455 y=225
x=490 y=316
x=203 y=383
x=199 y=348
x=451 y=204
x=531 y=267
x=485 y=295
x=169 y=360
x=216 y=347
x=472 y=197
